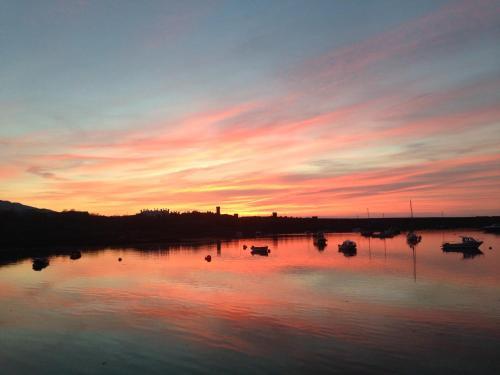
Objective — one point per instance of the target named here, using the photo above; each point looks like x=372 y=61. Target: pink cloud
x=266 y=155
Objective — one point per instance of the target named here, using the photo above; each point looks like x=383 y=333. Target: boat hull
x=461 y=246
x=260 y=250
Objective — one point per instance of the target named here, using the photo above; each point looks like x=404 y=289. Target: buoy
x=244 y=247
x=208 y=258
x=119 y=259
x=490 y=248
x=75 y=255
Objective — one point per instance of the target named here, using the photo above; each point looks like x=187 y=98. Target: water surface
x=388 y=309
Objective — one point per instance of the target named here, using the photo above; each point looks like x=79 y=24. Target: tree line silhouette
x=38 y=227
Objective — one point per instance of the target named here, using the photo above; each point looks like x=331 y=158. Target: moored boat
x=319 y=239
x=366 y=233
x=348 y=247
x=260 y=250
x=493 y=228
x=40 y=263
x=412 y=238
x=466 y=244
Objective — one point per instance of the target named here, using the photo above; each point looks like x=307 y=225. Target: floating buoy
x=490 y=248
x=119 y=259
x=75 y=255
x=208 y=258
x=244 y=247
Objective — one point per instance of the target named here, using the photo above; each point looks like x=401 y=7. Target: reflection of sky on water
x=297 y=307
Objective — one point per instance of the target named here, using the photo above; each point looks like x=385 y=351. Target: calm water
x=386 y=310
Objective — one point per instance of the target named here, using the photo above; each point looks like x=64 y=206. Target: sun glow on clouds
x=367 y=125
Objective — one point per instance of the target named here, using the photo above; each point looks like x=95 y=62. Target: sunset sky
x=302 y=107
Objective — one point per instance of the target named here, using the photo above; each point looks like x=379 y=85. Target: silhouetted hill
x=19 y=208
x=27 y=226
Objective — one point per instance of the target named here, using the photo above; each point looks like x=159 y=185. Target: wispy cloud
x=345 y=131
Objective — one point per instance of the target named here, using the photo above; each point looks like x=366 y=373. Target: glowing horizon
x=320 y=109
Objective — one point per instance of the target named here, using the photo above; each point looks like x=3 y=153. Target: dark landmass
x=24 y=226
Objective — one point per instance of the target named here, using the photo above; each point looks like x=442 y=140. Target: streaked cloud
x=409 y=113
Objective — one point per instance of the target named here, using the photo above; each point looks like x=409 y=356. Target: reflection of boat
x=466 y=244
x=320 y=246
x=348 y=248
x=493 y=228
x=260 y=250
x=40 y=263
x=468 y=253
x=471 y=253
x=414 y=263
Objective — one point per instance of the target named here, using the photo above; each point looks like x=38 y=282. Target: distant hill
x=22 y=225
x=20 y=208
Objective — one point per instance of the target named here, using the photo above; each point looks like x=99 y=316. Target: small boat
x=260 y=250
x=366 y=233
x=319 y=239
x=40 y=263
x=412 y=238
x=382 y=234
x=348 y=248
x=493 y=228
x=468 y=243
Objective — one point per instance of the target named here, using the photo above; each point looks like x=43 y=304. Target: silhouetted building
x=275 y=214
x=217 y=210
x=236 y=216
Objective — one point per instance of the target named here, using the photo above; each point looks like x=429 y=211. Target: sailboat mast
x=411 y=209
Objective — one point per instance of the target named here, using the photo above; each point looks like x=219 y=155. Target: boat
x=319 y=239
x=348 y=248
x=40 y=263
x=493 y=228
x=468 y=243
x=388 y=233
x=366 y=233
x=411 y=237
x=260 y=250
